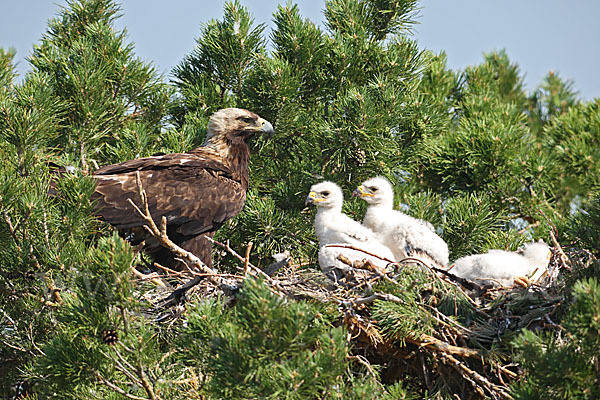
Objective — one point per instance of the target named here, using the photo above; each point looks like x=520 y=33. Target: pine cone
x=110 y=337
x=359 y=157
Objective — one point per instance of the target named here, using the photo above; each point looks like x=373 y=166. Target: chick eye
x=325 y=194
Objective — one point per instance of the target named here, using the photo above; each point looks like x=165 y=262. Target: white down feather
x=500 y=268
x=333 y=227
x=406 y=236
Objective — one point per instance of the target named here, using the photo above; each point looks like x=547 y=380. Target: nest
x=416 y=324
x=459 y=345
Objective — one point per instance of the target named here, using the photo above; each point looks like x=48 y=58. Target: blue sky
x=539 y=35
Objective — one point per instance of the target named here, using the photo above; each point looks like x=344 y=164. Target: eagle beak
x=311 y=199
x=266 y=127
x=360 y=192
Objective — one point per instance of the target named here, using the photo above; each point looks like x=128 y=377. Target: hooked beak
x=311 y=199
x=266 y=127
x=360 y=192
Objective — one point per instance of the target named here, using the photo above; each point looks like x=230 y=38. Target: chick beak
x=310 y=199
x=360 y=192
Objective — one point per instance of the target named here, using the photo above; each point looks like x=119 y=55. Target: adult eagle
x=195 y=191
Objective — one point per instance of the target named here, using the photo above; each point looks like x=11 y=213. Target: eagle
x=406 y=236
x=333 y=227
x=502 y=268
x=196 y=191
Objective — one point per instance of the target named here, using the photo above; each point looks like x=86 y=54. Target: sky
x=539 y=35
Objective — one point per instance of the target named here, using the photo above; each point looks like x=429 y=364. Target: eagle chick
x=333 y=227
x=500 y=268
x=406 y=236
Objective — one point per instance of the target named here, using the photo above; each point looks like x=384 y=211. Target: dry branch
x=161 y=234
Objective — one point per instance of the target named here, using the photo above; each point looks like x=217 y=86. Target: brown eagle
x=196 y=191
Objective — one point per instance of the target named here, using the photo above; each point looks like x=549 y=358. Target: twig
x=114 y=387
x=149 y=389
x=255 y=270
x=347 y=246
x=153 y=277
x=247 y=258
x=364 y=362
x=46 y=236
x=11 y=229
x=481 y=382
x=123 y=368
x=370 y=299
x=563 y=257
x=366 y=265
x=440 y=346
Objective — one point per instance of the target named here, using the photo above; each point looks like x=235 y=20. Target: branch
x=347 y=246
x=251 y=268
x=247 y=258
x=161 y=234
x=114 y=387
x=563 y=257
x=440 y=346
x=495 y=391
x=370 y=299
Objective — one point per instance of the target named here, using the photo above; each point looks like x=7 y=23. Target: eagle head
x=376 y=190
x=235 y=125
x=325 y=195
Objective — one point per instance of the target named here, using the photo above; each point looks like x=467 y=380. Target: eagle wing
x=194 y=192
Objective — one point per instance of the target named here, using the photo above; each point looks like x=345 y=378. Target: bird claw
x=522 y=281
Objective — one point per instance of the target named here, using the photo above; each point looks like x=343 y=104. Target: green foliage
x=566 y=366
x=94 y=73
x=572 y=138
x=103 y=300
x=7 y=68
x=553 y=97
x=376 y=19
x=470 y=222
x=584 y=226
x=267 y=347
x=213 y=75
x=470 y=151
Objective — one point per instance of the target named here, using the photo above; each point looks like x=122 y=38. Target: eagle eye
x=373 y=189
x=246 y=119
x=325 y=193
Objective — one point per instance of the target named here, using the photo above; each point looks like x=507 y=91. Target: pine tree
x=116 y=102
x=488 y=164
x=565 y=367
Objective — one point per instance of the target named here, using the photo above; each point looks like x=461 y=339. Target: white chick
x=406 y=236
x=500 y=268
x=333 y=227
